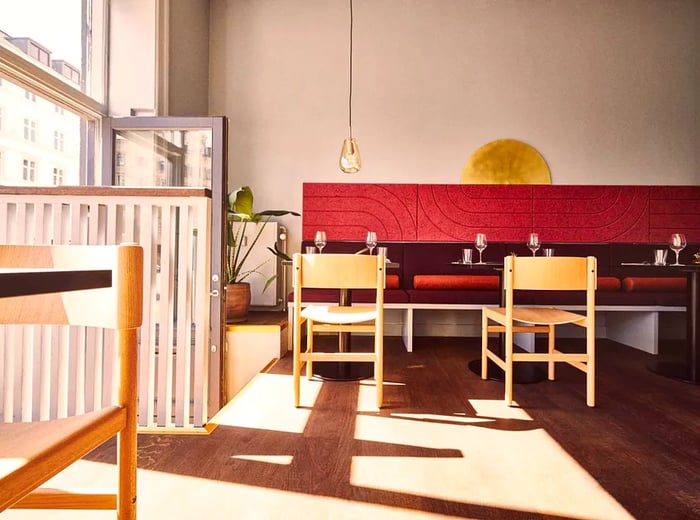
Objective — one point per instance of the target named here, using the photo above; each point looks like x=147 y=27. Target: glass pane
x=163 y=158
x=51 y=33
x=39 y=141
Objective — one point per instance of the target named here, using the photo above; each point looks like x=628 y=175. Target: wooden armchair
x=35 y=449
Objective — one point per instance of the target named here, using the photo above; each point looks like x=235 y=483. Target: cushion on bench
x=392 y=281
x=608 y=283
x=653 y=284
x=456 y=281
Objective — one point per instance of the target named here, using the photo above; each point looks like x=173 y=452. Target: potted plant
x=240 y=209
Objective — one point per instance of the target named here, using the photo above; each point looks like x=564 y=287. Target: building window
x=120 y=159
x=28 y=170
x=30 y=130
x=57 y=176
x=58 y=139
x=74 y=40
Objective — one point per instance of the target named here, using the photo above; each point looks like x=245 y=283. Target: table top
x=25 y=282
x=477 y=264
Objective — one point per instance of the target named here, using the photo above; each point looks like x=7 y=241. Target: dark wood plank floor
x=443 y=445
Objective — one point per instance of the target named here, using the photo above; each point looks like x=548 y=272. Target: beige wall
x=607 y=91
x=188 y=58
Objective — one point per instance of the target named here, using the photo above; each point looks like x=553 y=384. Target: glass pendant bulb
x=350 y=161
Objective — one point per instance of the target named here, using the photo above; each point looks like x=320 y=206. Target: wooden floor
x=444 y=446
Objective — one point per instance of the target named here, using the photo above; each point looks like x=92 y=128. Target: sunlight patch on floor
x=518 y=469
x=178 y=497
x=267 y=402
x=282 y=460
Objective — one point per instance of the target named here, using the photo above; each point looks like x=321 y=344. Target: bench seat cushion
x=456 y=281
x=608 y=283
x=654 y=284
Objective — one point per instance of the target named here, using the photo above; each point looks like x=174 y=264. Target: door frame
x=218 y=192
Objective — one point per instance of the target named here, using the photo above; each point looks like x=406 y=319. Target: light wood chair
x=542 y=274
x=33 y=452
x=344 y=272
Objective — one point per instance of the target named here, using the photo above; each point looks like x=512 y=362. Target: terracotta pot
x=237 y=302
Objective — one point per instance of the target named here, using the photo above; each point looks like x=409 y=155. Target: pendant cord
x=350 y=93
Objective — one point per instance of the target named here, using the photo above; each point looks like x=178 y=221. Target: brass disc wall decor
x=506 y=161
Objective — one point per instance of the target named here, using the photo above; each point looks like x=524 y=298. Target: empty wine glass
x=371 y=241
x=677 y=243
x=480 y=244
x=320 y=240
x=533 y=243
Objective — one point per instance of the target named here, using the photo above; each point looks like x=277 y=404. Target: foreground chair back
x=542 y=274
x=344 y=272
x=32 y=452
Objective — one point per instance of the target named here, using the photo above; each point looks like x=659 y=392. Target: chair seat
x=27 y=446
x=338 y=314
x=536 y=315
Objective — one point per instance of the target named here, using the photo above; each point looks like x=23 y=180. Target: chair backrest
x=556 y=273
x=341 y=271
x=117 y=307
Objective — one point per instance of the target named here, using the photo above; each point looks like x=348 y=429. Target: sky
x=55 y=24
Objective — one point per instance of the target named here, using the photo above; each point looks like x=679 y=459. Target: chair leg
x=484 y=345
x=509 y=366
x=296 y=364
x=309 y=347
x=379 y=369
x=550 y=363
x=590 y=367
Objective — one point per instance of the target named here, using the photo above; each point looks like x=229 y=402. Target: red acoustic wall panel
x=447 y=212
x=591 y=213
x=458 y=211
x=348 y=211
x=674 y=209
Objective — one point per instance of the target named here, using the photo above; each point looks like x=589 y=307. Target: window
x=57 y=176
x=58 y=140
x=57 y=72
x=29 y=130
x=28 y=170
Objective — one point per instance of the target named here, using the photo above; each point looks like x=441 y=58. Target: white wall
x=132 y=57
x=607 y=91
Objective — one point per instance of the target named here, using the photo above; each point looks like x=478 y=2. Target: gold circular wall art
x=506 y=161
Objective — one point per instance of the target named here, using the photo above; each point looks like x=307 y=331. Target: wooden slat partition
x=173 y=226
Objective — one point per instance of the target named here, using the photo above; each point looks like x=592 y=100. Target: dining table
x=686 y=367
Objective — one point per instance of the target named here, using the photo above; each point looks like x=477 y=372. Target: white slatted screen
x=174 y=356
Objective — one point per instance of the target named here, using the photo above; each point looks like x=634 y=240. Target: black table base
x=676 y=369
x=523 y=372
x=343 y=371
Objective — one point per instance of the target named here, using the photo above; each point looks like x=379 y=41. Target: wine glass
x=677 y=243
x=320 y=241
x=371 y=241
x=480 y=244
x=533 y=243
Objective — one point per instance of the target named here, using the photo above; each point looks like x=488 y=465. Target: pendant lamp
x=350 y=161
